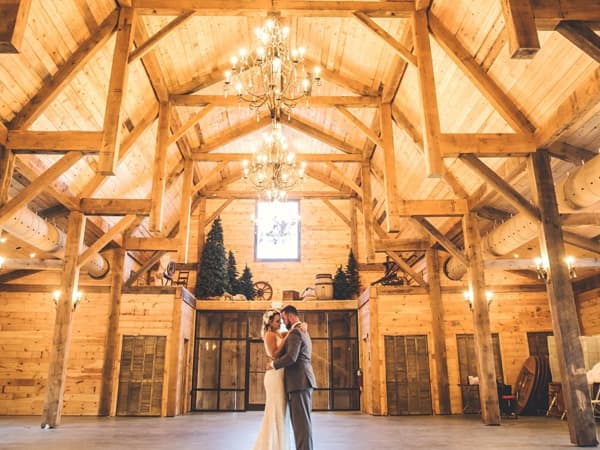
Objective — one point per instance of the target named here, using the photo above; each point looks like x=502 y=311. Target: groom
x=299 y=377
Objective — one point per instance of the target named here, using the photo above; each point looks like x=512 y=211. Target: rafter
x=206 y=178
x=54 y=141
x=489 y=144
x=66 y=72
x=217 y=212
x=248 y=195
x=441 y=239
x=570 y=153
x=114 y=206
x=523 y=42
x=349 y=181
x=309 y=157
x=317 y=132
x=406 y=268
x=13 y=21
x=316 y=101
x=347 y=82
x=479 y=77
x=337 y=212
x=118 y=228
x=327 y=181
x=582 y=36
x=231 y=134
x=190 y=123
x=361 y=126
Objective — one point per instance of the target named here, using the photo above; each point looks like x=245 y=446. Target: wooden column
x=13 y=20
x=353 y=229
x=109 y=149
x=389 y=169
x=374 y=342
x=59 y=352
x=175 y=358
x=185 y=211
x=367 y=207
x=7 y=168
x=565 y=324
x=438 y=332
x=520 y=28
x=112 y=336
x=159 y=177
x=488 y=393
x=201 y=232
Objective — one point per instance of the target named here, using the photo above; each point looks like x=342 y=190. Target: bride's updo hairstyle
x=267 y=318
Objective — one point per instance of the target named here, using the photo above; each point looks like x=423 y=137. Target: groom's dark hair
x=290 y=309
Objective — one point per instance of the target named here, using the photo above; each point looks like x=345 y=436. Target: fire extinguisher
x=359 y=379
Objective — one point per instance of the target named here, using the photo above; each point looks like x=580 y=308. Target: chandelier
x=271 y=75
x=273 y=170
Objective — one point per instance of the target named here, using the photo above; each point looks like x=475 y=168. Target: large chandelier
x=273 y=170
x=271 y=75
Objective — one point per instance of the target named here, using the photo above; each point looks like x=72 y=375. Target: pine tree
x=212 y=276
x=246 y=284
x=341 y=289
x=352 y=276
x=232 y=275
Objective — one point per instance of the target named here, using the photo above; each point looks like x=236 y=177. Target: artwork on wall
x=277 y=231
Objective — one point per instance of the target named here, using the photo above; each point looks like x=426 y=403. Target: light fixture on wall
x=273 y=170
x=271 y=75
x=77 y=297
x=542 y=265
x=468 y=295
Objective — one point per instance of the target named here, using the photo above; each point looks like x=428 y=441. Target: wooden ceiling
x=384 y=99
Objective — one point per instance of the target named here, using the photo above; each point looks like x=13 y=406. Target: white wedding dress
x=276 y=429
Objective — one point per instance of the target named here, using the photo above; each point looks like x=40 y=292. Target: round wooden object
x=526 y=383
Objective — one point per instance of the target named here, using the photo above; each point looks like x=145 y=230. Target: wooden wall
x=391 y=312
x=588 y=308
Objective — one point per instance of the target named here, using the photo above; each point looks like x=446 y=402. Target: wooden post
x=109 y=149
x=565 y=324
x=112 y=335
x=159 y=177
x=185 y=210
x=353 y=228
x=367 y=209
x=389 y=168
x=374 y=342
x=438 y=332
x=7 y=168
x=13 y=20
x=488 y=393
x=201 y=232
x=520 y=27
x=59 y=352
x=175 y=358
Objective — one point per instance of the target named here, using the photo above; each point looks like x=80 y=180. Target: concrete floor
x=237 y=431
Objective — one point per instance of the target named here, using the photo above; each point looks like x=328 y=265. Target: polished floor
x=237 y=431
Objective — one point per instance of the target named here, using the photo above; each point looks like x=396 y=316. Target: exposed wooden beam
x=321 y=134
x=159 y=175
x=576 y=219
x=216 y=75
x=101 y=242
x=397 y=46
x=401 y=245
x=315 y=101
x=109 y=150
x=185 y=211
x=346 y=179
x=432 y=208
x=217 y=212
x=367 y=207
x=160 y=35
x=308 y=157
x=507 y=191
x=3 y=134
x=523 y=42
x=582 y=36
x=151 y=243
x=207 y=178
x=570 y=153
x=7 y=169
x=591 y=245
x=549 y=13
x=397 y=8
x=505 y=106
x=361 y=126
x=337 y=212
x=66 y=73
x=326 y=180
x=13 y=21
x=60 y=141
x=114 y=206
x=406 y=268
x=390 y=179
x=248 y=195
x=353 y=85
x=150 y=62
x=434 y=166
x=441 y=239
x=32 y=264
x=38 y=185
x=190 y=123
x=231 y=134
x=492 y=144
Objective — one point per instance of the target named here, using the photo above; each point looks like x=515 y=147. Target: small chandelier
x=272 y=75
x=273 y=170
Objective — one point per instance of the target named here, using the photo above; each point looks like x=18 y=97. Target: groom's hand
x=269 y=365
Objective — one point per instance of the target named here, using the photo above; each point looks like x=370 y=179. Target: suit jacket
x=296 y=360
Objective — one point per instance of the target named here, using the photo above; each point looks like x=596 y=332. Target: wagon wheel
x=264 y=291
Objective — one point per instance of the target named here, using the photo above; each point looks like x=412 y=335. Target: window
x=277 y=232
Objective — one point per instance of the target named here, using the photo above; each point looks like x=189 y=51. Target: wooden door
x=257 y=361
x=141 y=376
x=467 y=366
x=407 y=375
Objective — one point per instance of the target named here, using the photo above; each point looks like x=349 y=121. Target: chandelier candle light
x=273 y=170
x=272 y=75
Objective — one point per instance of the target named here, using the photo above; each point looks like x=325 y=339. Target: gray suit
x=299 y=384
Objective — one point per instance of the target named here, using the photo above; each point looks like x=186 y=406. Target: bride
x=276 y=429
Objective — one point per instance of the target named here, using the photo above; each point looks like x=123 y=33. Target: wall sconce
x=77 y=296
x=489 y=296
x=541 y=267
x=2 y=261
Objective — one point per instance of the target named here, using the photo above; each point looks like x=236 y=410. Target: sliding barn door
x=407 y=375
x=141 y=376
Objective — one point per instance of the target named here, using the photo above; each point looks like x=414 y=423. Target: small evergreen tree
x=246 y=284
x=232 y=275
x=340 y=285
x=212 y=276
x=352 y=276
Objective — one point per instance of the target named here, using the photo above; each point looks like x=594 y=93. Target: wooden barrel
x=324 y=286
